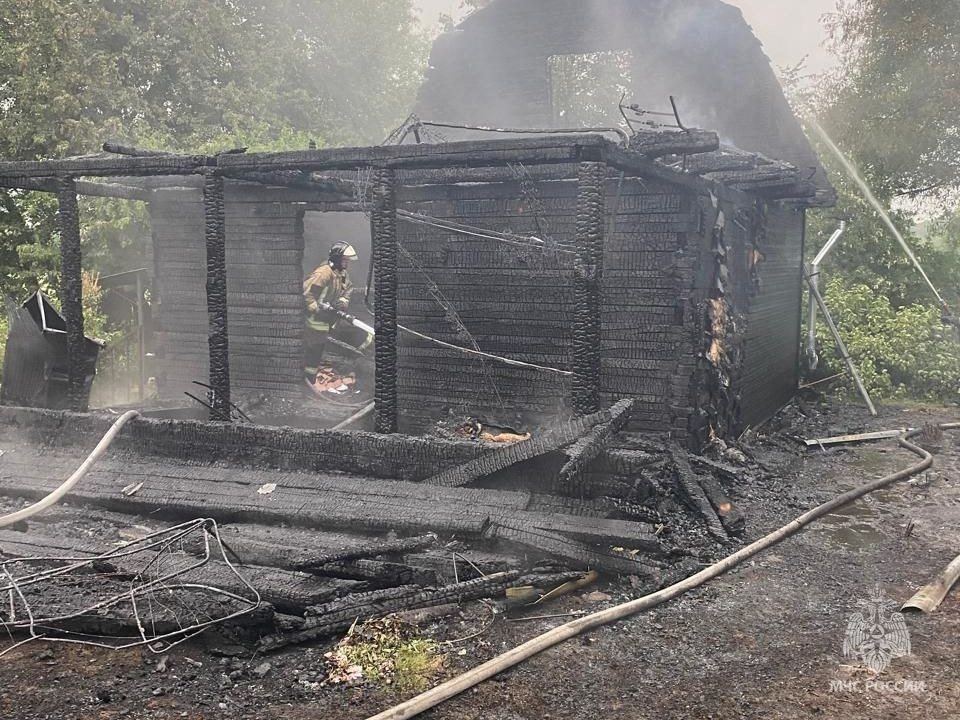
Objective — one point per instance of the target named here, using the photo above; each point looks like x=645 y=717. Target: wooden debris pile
x=322 y=550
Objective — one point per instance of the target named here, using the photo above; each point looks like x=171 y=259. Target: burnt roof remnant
x=498 y=68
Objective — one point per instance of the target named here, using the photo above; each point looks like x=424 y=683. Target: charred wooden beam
x=215 y=237
x=684 y=142
x=588 y=448
x=774 y=174
x=288 y=591
x=336 y=616
x=731 y=517
x=71 y=287
x=695 y=495
x=130 y=151
x=501 y=458
x=374 y=549
x=714 y=162
x=471 y=153
x=589 y=275
x=556 y=545
x=379 y=573
x=112 y=190
x=101 y=167
x=385 y=254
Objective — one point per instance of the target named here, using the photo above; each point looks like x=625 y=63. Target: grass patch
x=386 y=652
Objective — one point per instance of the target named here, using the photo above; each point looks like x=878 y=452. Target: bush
x=901 y=353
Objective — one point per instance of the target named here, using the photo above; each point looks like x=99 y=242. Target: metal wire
x=161 y=589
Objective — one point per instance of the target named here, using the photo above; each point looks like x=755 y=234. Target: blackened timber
x=586 y=449
x=215 y=238
x=715 y=162
x=374 y=549
x=495 y=460
x=694 y=493
x=684 y=142
x=338 y=615
x=589 y=274
x=474 y=153
x=100 y=167
x=385 y=252
x=130 y=151
x=71 y=287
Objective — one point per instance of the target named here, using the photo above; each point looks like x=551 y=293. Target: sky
x=789 y=29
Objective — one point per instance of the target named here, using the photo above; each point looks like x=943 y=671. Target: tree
x=896 y=94
x=185 y=75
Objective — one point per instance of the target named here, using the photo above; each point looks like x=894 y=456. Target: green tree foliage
x=892 y=107
x=897 y=94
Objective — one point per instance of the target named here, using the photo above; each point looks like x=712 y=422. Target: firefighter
x=330 y=284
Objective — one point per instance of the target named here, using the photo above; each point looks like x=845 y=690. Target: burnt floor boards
x=177 y=490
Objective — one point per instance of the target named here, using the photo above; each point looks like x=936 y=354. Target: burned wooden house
x=516 y=279
x=640 y=276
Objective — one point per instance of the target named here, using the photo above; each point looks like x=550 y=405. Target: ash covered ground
x=764 y=641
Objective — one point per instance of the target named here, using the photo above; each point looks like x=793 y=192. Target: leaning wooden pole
x=828 y=318
x=589 y=266
x=71 y=288
x=215 y=236
x=385 y=251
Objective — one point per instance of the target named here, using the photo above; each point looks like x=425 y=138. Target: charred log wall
x=264 y=246
x=519 y=301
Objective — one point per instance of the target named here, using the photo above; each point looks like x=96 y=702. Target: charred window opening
x=585 y=89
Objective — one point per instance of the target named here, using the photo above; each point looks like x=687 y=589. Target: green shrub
x=904 y=352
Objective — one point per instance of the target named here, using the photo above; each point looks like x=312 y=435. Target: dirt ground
x=764 y=641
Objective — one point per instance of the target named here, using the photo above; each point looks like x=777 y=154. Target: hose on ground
x=57 y=495
x=469 y=679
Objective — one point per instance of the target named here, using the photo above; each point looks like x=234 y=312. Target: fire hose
x=68 y=485
x=517 y=655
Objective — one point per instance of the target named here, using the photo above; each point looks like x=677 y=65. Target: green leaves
x=900 y=352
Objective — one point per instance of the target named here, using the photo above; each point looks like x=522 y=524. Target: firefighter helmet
x=341 y=251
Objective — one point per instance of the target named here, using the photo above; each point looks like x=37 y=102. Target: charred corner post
x=591 y=185
x=385 y=252
x=71 y=286
x=216 y=288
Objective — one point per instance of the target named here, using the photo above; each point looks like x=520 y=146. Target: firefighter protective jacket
x=330 y=286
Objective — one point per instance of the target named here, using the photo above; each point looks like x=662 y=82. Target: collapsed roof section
x=504 y=66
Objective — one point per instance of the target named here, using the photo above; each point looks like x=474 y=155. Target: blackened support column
x=589 y=271
x=71 y=288
x=385 y=318
x=215 y=237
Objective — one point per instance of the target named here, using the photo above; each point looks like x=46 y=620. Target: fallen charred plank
x=323 y=620
x=731 y=518
x=694 y=494
x=556 y=545
x=374 y=549
x=346 y=503
x=502 y=458
x=728 y=472
x=587 y=448
x=379 y=573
